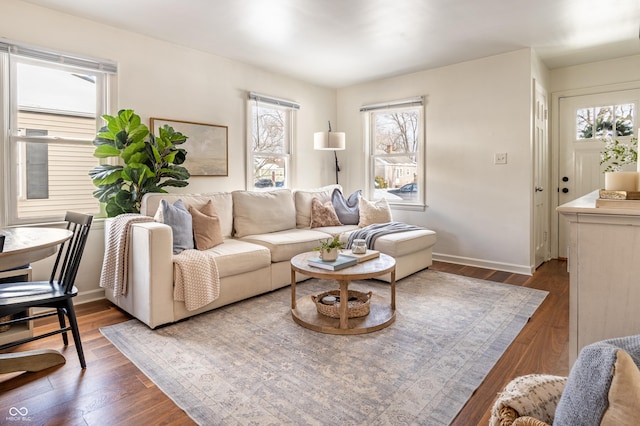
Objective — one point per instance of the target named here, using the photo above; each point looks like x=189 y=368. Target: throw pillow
x=624 y=394
x=178 y=218
x=323 y=214
x=347 y=209
x=374 y=212
x=206 y=226
x=302 y=199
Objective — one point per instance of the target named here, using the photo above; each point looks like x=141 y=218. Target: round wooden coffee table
x=381 y=312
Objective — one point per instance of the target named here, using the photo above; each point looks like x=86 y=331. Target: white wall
x=159 y=79
x=481 y=211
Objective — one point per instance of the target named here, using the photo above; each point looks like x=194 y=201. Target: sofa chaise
x=261 y=232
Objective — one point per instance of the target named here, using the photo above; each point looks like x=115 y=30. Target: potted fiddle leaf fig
x=147 y=163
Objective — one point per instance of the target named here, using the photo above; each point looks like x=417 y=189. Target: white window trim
x=409 y=103
x=291 y=107
x=106 y=91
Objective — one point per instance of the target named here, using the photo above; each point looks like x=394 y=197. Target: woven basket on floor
x=358 y=307
x=4 y=328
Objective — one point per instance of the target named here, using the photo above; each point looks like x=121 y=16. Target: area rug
x=249 y=363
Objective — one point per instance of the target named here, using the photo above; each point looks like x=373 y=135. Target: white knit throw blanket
x=196 y=279
x=116 y=252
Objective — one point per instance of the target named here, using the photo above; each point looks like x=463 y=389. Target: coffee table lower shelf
x=380 y=316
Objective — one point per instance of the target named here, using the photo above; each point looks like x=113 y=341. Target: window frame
x=289 y=108
x=11 y=55
x=369 y=131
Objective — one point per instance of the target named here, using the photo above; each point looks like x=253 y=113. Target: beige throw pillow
x=302 y=199
x=374 y=212
x=624 y=393
x=206 y=226
x=323 y=214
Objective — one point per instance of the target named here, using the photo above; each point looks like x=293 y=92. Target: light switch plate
x=500 y=158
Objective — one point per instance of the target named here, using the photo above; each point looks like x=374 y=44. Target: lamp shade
x=329 y=141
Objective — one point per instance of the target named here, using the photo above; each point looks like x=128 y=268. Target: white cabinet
x=604 y=272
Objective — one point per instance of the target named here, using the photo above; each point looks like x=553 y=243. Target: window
x=270 y=140
x=54 y=103
x=395 y=143
x=605 y=121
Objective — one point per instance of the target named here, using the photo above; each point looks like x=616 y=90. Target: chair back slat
x=72 y=249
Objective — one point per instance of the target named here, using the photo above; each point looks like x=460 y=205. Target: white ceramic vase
x=330 y=255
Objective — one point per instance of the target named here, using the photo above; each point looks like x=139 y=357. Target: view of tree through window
x=270 y=145
x=396 y=142
x=605 y=121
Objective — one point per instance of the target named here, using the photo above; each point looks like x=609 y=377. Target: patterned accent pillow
x=374 y=212
x=534 y=395
x=178 y=218
x=323 y=214
x=348 y=209
x=206 y=226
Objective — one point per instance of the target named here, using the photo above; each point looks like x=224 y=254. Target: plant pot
x=330 y=255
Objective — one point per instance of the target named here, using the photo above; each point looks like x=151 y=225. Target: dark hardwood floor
x=112 y=391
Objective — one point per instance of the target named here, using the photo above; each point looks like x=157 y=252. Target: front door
x=584 y=122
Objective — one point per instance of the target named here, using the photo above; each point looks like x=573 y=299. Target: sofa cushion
x=323 y=214
x=235 y=257
x=347 y=209
x=221 y=200
x=374 y=212
x=178 y=218
x=206 y=226
x=403 y=243
x=337 y=230
x=302 y=199
x=284 y=245
x=257 y=212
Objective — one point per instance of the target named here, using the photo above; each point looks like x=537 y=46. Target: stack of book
x=361 y=257
x=344 y=260
x=618 y=199
x=334 y=265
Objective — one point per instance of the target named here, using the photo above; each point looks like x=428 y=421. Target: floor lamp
x=325 y=141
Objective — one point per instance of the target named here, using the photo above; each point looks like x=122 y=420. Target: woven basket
x=358 y=307
x=4 y=328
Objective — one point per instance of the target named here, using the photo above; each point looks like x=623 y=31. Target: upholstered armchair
x=603 y=388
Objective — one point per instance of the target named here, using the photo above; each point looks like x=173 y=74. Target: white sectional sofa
x=261 y=231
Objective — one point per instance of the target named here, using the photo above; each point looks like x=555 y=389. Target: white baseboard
x=481 y=263
x=89 y=296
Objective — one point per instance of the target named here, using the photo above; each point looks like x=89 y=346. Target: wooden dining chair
x=55 y=294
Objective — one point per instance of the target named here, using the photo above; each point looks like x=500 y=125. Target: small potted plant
x=329 y=248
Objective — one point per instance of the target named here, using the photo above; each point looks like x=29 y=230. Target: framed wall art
x=206 y=146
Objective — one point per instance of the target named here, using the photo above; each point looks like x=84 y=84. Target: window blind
x=274 y=101
x=418 y=101
x=57 y=57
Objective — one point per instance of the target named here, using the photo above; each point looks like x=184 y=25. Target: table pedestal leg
x=393 y=290
x=293 y=289
x=344 y=304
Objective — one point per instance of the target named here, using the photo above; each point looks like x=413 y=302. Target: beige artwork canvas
x=206 y=145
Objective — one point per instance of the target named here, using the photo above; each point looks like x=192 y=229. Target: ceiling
x=337 y=43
